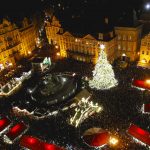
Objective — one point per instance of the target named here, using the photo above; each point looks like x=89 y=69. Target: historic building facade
x=145 y=50
x=28 y=35
x=15 y=42
x=128 y=42
x=123 y=42
x=80 y=47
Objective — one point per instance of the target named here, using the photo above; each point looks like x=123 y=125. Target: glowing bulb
x=58 y=54
x=56 y=46
x=148 y=81
x=113 y=141
x=102 y=46
x=29 y=52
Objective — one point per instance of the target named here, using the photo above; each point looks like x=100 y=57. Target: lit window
x=130 y=37
x=124 y=37
x=119 y=37
x=119 y=46
x=129 y=49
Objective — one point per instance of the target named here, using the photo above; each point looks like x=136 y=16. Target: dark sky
x=85 y=12
x=32 y=5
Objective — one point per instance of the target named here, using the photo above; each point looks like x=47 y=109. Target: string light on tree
x=103 y=74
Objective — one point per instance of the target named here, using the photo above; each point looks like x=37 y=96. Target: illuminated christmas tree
x=103 y=74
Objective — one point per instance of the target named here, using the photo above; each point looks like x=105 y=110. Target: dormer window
x=100 y=36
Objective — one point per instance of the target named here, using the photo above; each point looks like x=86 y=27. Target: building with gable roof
x=82 y=47
x=15 y=42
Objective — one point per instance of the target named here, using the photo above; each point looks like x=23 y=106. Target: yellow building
x=145 y=51
x=15 y=42
x=80 y=47
x=128 y=42
x=10 y=44
x=28 y=35
x=52 y=29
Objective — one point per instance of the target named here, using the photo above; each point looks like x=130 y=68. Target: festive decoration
x=139 y=135
x=141 y=84
x=103 y=74
x=96 y=137
x=84 y=109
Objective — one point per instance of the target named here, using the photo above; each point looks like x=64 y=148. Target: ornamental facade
x=15 y=42
x=145 y=51
x=80 y=47
x=120 y=42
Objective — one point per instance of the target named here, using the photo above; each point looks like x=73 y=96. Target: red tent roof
x=140 y=134
x=30 y=142
x=34 y=143
x=147 y=108
x=47 y=146
x=16 y=130
x=96 y=137
x=4 y=122
x=141 y=84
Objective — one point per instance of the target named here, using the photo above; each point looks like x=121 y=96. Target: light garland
x=84 y=109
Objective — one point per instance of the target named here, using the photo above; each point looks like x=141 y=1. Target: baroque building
x=128 y=42
x=28 y=35
x=82 y=47
x=15 y=42
x=145 y=51
x=120 y=42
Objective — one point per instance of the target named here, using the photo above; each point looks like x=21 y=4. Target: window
x=130 y=37
x=119 y=37
x=129 y=49
x=124 y=37
x=147 y=53
x=124 y=48
x=119 y=46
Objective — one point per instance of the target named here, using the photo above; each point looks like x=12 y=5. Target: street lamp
x=29 y=52
x=58 y=54
x=148 y=81
x=102 y=46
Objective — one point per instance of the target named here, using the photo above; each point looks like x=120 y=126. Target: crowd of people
x=121 y=107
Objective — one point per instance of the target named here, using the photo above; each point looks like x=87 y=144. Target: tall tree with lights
x=103 y=74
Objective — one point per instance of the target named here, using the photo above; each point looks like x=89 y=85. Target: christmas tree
x=103 y=74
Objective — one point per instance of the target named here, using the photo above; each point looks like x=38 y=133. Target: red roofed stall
x=144 y=84
x=140 y=134
x=96 y=137
x=34 y=143
x=146 y=108
x=15 y=132
x=30 y=142
x=47 y=146
x=4 y=124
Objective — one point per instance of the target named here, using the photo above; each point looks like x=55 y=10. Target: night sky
x=83 y=14
x=78 y=6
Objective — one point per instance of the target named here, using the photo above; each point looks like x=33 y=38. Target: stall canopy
x=16 y=130
x=144 y=84
x=4 y=123
x=146 y=108
x=96 y=137
x=140 y=134
x=34 y=143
